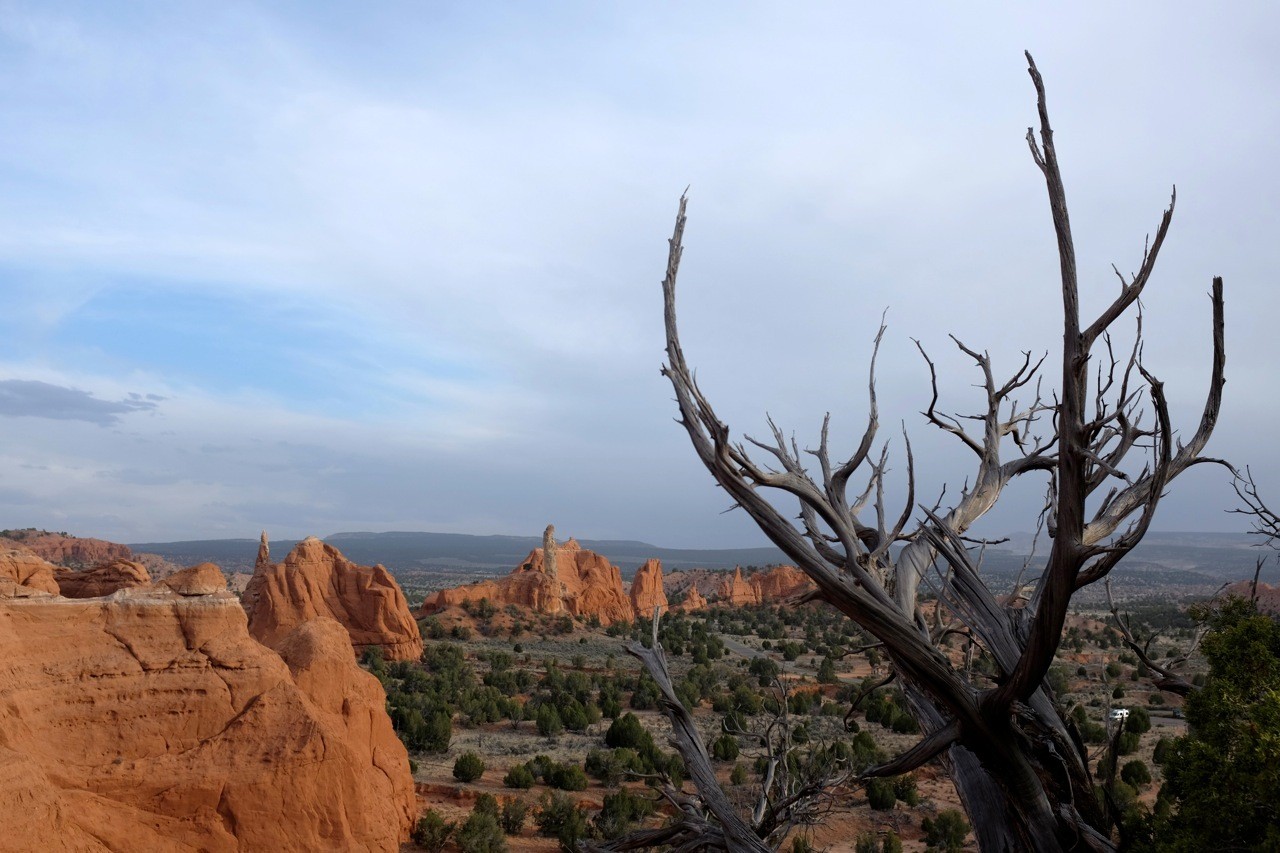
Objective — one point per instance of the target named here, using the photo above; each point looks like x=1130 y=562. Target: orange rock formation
x=22 y=573
x=150 y=720
x=776 y=584
x=575 y=581
x=102 y=580
x=647 y=591
x=693 y=601
x=736 y=592
x=314 y=581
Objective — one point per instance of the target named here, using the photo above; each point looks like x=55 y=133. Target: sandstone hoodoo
x=647 y=591
x=316 y=581
x=693 y=600
x=736 y=592
x=150 y=720
x=574 y=582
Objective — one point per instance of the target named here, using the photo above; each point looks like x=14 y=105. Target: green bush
x=549 y=722
x=947 y=832
x=567 y=777
x=513 y=815
x=739 y=775
x=559 y=817
x=468 y=768
x=880 y=795
x=481 y=834
x=725 y=748
x=1138 y=722
x=1163 y=750
x=1135 y=773
x=621 y=811
x=518 y=777
x=432 y=832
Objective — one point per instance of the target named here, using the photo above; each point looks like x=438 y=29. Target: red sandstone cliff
x=150 y=720
x=574 y=581
x=647 y=591
x=692 y=601
x=315 y=581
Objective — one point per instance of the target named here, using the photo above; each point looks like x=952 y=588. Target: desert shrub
x=559 y=817
x=567 y=777
x=549 y=722
x=432 y=832
x=513 y=815
x=518 y=777
x=1128 y=743
x=739 y=775
x=1135 y=773
x=620 y=813
x=468 y=768
x=486 y=804
x=1138 y=722
x=481 y=834
x=904 y=788
x=1163 y=750
x=946 y=832
x=880 y=794
x=725 y=748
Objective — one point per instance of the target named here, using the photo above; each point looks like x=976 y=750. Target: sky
x=321 y=267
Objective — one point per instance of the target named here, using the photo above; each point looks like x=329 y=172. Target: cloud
x=31 y=398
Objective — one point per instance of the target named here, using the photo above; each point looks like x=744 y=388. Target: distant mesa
x=572 y=581
x=61 y=549
x=149 y=719
x=316 y=581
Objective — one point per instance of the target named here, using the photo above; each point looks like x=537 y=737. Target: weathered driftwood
x=1019 y=767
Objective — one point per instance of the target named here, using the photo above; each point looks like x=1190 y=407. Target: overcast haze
x=321 y=267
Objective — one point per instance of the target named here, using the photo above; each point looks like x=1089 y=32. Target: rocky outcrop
x=102 y=580
x=316 y=581
x=1266 y=596
x=776 y=584
x=151 y=720
x=70 y=551
x=779 y=583
x=736 y=592
x=584 y=584
x=22 y=574
x=204 y=579
x=693 y=601
x=647 y=591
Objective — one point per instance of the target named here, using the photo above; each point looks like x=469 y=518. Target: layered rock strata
x=150 y=720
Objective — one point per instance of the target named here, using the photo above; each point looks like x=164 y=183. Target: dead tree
x=1020 y=768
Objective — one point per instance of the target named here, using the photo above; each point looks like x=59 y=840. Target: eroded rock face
x=693 y=601
x=102 y=580
x=584 y=584
x=776 y=584
x=647 y=591
x=70 y=551
x=23 y=574
x=315 y=581
x=779 y=583
x=149 y=720
x=736 y=592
